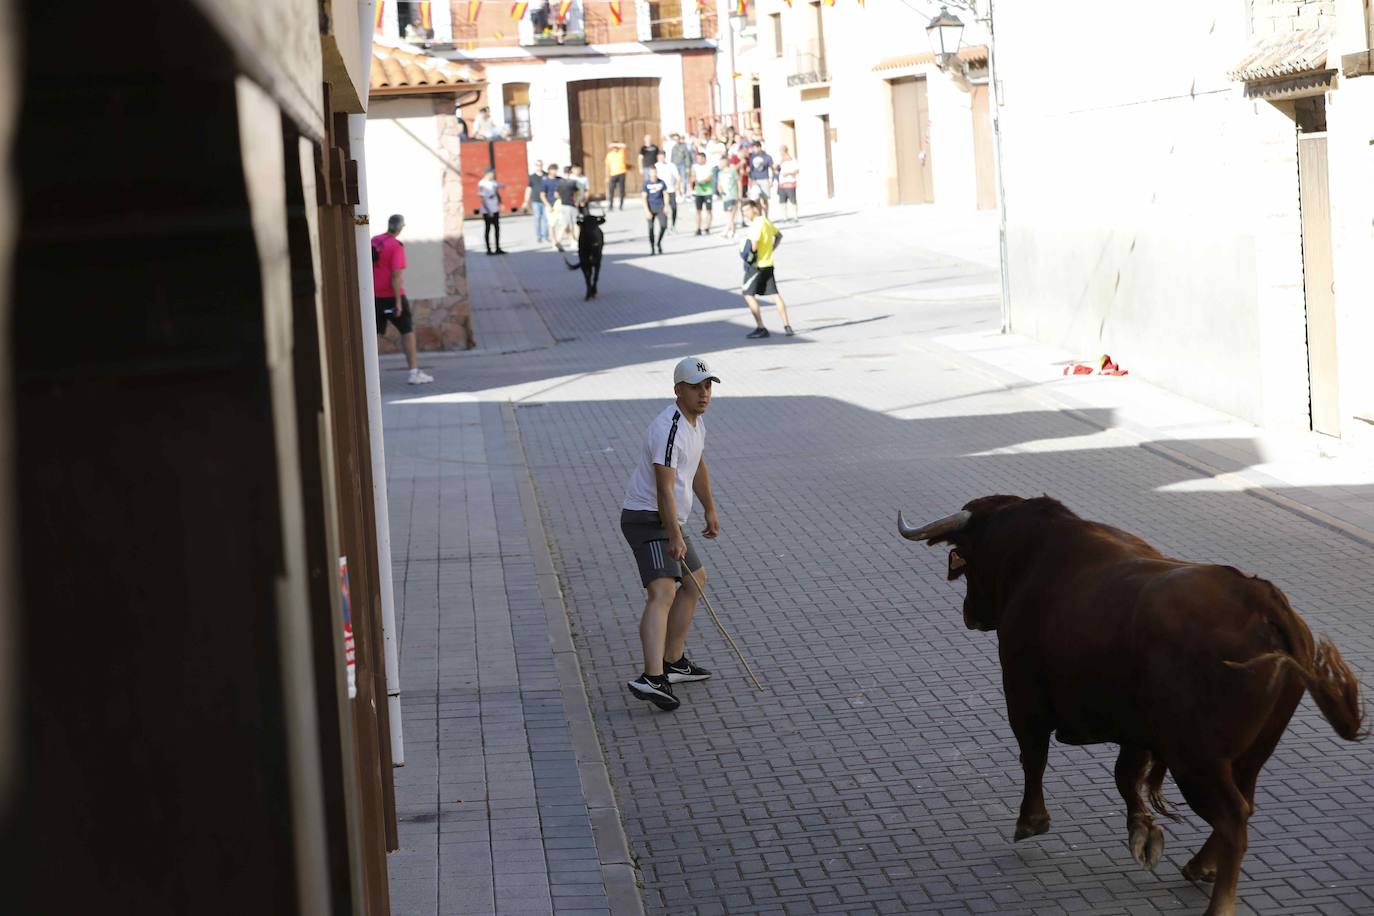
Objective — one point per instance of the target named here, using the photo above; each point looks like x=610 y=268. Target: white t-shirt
x=490 y=192
x=667 y=173
x=672 y=442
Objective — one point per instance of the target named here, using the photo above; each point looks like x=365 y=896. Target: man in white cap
x=670 y=471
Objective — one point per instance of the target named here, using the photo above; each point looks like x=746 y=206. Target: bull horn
x=938 y=529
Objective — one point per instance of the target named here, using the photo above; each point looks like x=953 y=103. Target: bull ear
x=957 y=565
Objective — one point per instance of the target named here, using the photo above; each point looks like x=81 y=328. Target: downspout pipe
x=357 y=126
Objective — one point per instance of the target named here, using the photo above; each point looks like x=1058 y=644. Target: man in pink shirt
x=388 y=260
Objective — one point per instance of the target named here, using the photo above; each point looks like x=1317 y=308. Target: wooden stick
x=720 y=626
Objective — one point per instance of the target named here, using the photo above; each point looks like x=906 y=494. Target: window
x=777 y=33
x=413 y=21
x=515 y=99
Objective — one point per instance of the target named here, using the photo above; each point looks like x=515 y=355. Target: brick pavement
x=877 y=773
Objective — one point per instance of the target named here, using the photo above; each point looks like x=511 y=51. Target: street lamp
x=946 y=31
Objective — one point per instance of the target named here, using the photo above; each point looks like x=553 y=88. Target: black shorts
x=787 y=195
x=704 y=201
x=758 y=281
x=649 y=542
x=386 y=308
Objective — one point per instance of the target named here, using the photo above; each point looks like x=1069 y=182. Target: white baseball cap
x=692 y=370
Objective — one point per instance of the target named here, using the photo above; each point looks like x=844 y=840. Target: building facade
x=570 y=77
x=858 y=96
x=1190 y=192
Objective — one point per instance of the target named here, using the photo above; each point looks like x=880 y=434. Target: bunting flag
x=829 y=2
x=426 y=19
x=616 y=16
x=563 y=7
x=474 y=10
x=377 y=24
x=742 y=8
x=701 y=6
x=789 y=3
x=517 y=10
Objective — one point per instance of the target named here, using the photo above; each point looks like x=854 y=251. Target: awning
x=402 y=69
x=1285 y=55
x=971 y=55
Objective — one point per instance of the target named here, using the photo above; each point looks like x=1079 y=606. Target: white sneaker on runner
x=420 y=377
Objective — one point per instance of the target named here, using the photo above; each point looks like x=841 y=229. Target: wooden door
x=911 y=123
x=1318 y=279
x=600 y=111
x=982 y=150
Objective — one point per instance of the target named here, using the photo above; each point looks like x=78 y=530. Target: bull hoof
x=1154 y=849
x=1199 y=871
x=1031 y=826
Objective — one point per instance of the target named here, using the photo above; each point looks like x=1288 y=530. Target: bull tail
x=1333 y=686
x=577 y=266
x=1154 y=785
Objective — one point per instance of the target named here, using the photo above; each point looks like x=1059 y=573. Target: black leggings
x=491 y=221
x=672 y=207
x=617 y=184
x=662 y=219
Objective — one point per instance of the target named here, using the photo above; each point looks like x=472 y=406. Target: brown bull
x=1192 y=668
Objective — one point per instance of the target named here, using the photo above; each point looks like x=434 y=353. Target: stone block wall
x=1271 y=17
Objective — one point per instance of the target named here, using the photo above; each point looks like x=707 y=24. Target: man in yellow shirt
x=761 y=240
x=615 y=168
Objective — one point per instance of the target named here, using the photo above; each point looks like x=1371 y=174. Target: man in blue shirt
x=655 y=196
x=760 y=176
x=548 y=193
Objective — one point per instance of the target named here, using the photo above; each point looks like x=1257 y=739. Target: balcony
x=808 y=67
x=540 y=27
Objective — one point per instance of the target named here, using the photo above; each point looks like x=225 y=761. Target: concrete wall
x=1152 y=211
x=405 y=175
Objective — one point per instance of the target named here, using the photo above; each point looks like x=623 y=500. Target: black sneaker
x=683 y=671
x=757 y=333
x=657 y=691
x=786 y=329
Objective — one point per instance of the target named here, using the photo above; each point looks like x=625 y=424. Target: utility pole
x=997 y=169
x=730 y=18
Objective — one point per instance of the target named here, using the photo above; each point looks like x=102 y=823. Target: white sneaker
x=420 y=377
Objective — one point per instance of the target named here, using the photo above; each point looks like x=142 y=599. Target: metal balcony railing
x=540 y=26
x=808 y=67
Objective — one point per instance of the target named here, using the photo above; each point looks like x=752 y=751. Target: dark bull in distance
x=1193 y=669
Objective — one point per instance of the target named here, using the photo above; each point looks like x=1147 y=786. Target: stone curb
x=613 y=849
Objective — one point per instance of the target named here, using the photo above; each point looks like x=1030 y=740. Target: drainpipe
x=997 y=168
x=357 y=124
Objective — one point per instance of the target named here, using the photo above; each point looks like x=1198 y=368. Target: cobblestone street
x=876 y=772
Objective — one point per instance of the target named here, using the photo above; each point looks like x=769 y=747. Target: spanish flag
x=517 y=10
x=563 y=7
x=829 y=2
x=474 y=10
x=616 y=15
x=742 y=7
x=426 y=19
x=377 y=24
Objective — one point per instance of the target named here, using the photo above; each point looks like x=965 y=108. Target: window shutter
x=644 y=26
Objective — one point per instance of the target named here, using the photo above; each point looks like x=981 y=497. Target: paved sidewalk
x=877 y=774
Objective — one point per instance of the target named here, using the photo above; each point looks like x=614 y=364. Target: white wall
x=405 y=175
x=1152 y=210
x=549 y=125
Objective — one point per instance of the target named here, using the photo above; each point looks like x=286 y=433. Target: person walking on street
x=670 y=471
x=760 y=242
x=567 y=190
x=534 y=202
x=489 y=191
x=648 y=156
x=615 y=170
x=388 y=262
x=787 y=183
x=548 y=193
x=682 y=158
x=667 y=174
x=727 y=186
x=703 y=191
x=655 y=196
x=760 y=176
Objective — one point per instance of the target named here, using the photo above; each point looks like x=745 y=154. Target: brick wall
x=698 y=73
x=1269 y=17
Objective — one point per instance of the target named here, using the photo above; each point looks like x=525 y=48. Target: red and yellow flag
x=616 y=16
x=517 y=10
x=742 y=7
x=377 y=23
x=563 y=7
x=474 y=10
x=426 y=18
x=829 y=2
